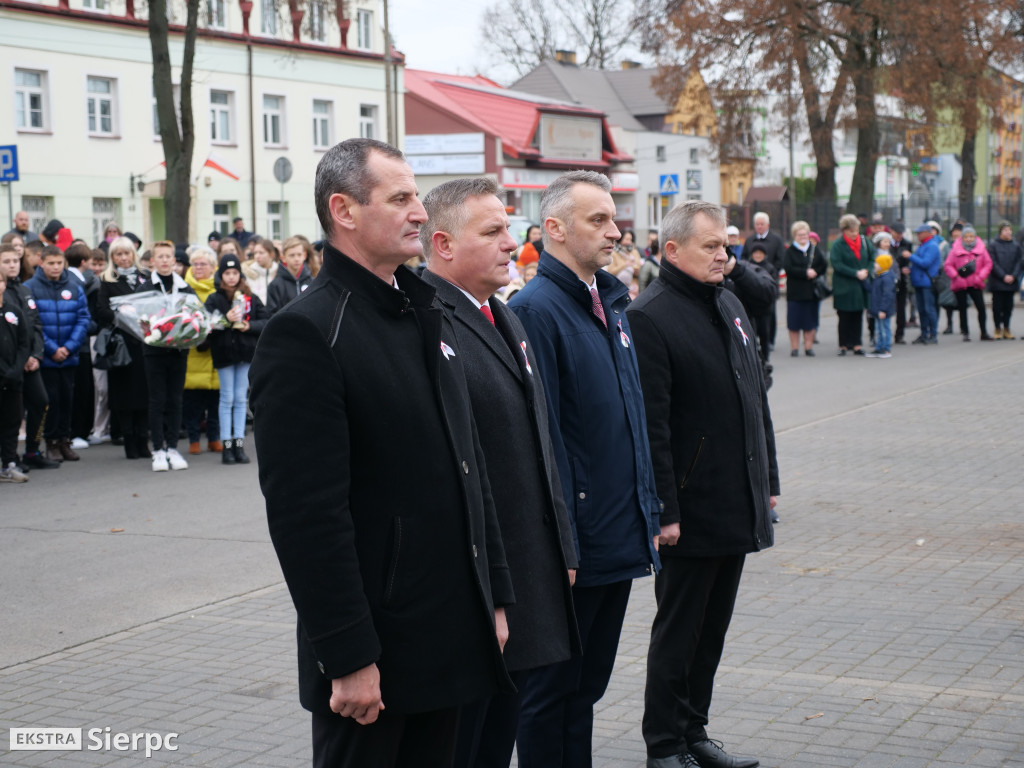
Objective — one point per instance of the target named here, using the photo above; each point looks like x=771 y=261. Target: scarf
x=854 y=244
x=131 y=275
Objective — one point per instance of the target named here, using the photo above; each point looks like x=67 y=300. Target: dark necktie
x=597 y=308
x=487 y=313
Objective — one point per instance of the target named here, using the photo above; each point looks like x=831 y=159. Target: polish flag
x=218 y=163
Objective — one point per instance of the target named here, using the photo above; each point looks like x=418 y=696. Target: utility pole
x=389 y=86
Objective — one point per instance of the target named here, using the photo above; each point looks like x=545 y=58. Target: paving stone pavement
x=885 y=628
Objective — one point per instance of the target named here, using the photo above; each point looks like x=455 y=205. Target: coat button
x=737 y=374
x=582 y=496
x=465 y=468
x=750 y=457
x=475 y=553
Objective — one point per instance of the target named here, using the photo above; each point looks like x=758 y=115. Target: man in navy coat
x=574 y=313
x=468 y=248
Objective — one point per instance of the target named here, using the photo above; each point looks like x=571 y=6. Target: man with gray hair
x=574 y=314
x=713 y=449
x=774 y=249
x=468 y=248
x=377 y=497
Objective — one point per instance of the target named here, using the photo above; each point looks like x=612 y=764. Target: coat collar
x=609 y=287
x=682 y=282
x=412 y=291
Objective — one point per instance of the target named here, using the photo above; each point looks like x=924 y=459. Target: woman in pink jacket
x=968 y=265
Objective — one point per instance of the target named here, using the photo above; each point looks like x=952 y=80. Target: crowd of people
x=74 y=376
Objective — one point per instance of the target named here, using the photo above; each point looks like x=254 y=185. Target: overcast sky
x=441 y=37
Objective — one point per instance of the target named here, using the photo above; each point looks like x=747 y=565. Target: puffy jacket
x=596 y=418
x=64 y=315
x=287 y=287
x=883 y=293
x=958 y=256
x=229 y=346
x=200 y=372
x=925 y=263
x=258 y=278
x=1007 y=259
x=20 y=295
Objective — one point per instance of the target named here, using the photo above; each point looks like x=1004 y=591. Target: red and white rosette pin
x=739 y=327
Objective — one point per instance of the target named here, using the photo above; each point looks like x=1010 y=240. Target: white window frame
x=109 y=210
x=364 y=29
x=222 y=220
x=216 y=110
x=282 y=142
x=37 y=219
x=27 y=91
x=96 y=6
x=371 y=122
x=275 y=216
x=268 y=18
x=216 y=14
x=99 y=97
x=318 y=21
x=323 y=123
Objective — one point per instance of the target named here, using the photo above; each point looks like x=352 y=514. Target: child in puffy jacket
x=14 y=343
x=883 y=304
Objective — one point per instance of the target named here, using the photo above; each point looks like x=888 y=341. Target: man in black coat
x=468 y=247
x=774 y=249
x=376 y=488
x=713 y=449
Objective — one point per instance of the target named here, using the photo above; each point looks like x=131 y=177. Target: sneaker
x=79 y=444
x=160 y=461
x=884 y=355
x=10 y=474
x=932 y=340
x=176 y=460
x=95 y=439
x=872 y=353
x=38 y=461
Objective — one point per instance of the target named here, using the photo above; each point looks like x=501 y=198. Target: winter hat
x=757 y=247
x=880 y=236
x=883 y=262
x=215 y=235
x=934 y=225
x=968 y=230
x=134 y=238
x=923 y=228
x=731 y=230
x=815 y=237
x=227 y=262
x=51 y=229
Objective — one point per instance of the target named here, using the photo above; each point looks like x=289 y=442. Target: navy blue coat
x=596 y=420
x=64 y=315
x=883 y=294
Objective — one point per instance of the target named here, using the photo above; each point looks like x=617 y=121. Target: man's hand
x=61 y=354
x=358 y=695
x=729 y=265
x=811 y=274
x=32 y=364
x=1008 y=279
x=572 y=577
x=669 y=535
x=501 y=627
x=881 y=315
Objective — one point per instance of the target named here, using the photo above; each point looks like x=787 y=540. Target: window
x=367 y=121
x=273 y=121
x=322 y=128
x=95 y=5
x=659 y=153
x=30 y=102
x=222 y=110
x=216 y=14
x=694 y=156
x=318 y=21
x=104 y=211
x=222 y=216
x=38 y=210
x=268 y=16
x=274 y=220
x=364 y=29
x=101 y=100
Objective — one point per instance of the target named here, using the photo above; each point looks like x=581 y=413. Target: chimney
x=565 y=57
x=627 y=64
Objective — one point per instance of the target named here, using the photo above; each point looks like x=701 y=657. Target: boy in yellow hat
x=883 y=296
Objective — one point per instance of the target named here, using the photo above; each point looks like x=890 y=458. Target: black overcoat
x=511 y=418
x=376 y=492
x=129 y=390
x=710 y=429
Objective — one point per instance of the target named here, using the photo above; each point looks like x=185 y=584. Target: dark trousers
x=165 y=377
x=695 y=599
x=198 y=404
x=134 y=424
x=1002 y=308
x=487 y=729
x=765 y=334
x=556 y=720
x=901 y=312
x=37 y=404
x=851 y=325
x=10 y=421
x=978 y=298
x=424 y=740
x=60 y=389
x=83 y=408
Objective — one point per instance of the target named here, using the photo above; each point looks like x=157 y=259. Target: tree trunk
x=177 y=143
x=968 y=176
x=862 y=190
x=820 y=127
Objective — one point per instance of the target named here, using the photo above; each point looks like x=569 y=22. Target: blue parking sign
x=9 y=163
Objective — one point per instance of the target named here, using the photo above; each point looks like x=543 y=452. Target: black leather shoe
x=685 y=760
x=709 y=754
x=38 y=461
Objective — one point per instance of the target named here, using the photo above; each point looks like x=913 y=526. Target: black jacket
x=286 y=287
x=20 y=296
x=773 y=248
x=511 y=417
x=14 y=341
x=796 y=263
x=376 y=489
x=129 y=389
x=229 y=346
x=1006 y=260
x=754 y=286
x=712 y=441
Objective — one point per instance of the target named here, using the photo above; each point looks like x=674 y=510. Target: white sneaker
x=95 y=439
x=160 y=461
x=79 y=444
x=11 y=474
x=176 y=460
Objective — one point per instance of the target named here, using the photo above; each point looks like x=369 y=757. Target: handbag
x=110 y=350
x=968 y=269
x=820 y=287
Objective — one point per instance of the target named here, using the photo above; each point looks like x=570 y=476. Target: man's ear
x=344 y=210
x=670 y=250
x=442 y=244
x=555 y=229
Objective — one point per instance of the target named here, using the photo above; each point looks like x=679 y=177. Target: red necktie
x=597 y=308
x=487 y=313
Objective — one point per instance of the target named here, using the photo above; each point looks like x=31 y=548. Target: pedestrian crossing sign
x=669 y=184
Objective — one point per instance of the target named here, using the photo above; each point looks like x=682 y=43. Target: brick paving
x=884 y=630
